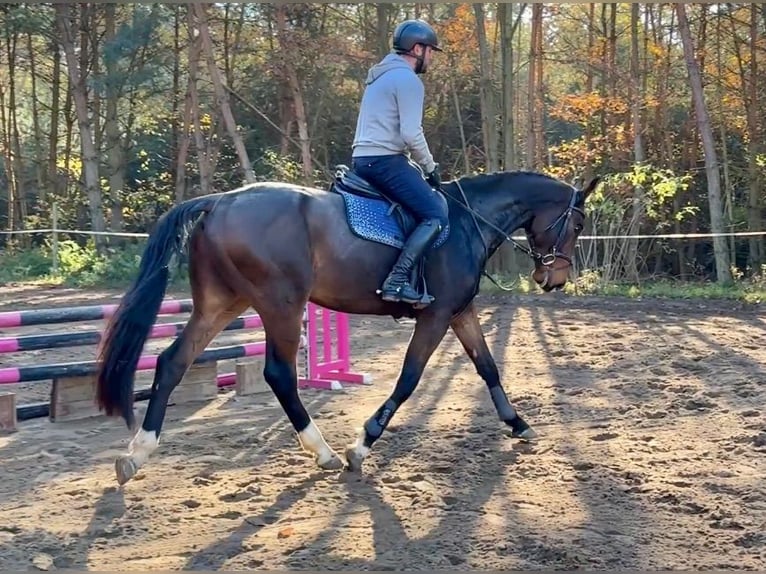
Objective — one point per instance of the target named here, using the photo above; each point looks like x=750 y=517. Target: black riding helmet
x=411 y=32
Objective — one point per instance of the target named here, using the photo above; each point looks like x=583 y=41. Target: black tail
x=129 y=328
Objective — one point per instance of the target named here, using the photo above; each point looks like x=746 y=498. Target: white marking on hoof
x=311 y=440
x=356 y=453
x=143 y=444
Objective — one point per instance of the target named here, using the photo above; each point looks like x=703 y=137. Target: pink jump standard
x=325 y=369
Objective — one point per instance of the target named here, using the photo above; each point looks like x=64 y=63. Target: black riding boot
x=397 y=286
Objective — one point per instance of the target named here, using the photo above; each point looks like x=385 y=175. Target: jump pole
x=326 y=366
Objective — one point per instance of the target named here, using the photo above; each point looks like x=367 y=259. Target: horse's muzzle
x=549 y=278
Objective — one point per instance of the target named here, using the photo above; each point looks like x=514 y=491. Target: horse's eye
x=578 y=228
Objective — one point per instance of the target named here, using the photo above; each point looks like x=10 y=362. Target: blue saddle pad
x=370 y=219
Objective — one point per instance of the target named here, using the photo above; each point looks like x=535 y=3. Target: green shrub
x=79 y=265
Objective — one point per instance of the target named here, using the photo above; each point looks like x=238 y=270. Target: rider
x=389 y=130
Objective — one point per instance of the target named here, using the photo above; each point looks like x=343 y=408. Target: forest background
x=111 y=113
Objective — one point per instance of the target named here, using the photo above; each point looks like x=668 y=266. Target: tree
x=723 y=271
x=90 y=156
x=508 y=27
x=222 y=95
x=290 y=75
x=487 y=93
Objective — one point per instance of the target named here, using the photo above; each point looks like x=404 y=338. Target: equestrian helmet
x=411 y=32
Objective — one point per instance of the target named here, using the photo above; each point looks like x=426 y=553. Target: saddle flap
x=373 y=216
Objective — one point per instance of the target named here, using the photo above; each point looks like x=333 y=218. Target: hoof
x=335 y=463
x=527 y=434
x=520 y=429
x=354 y=460
x=125 y=469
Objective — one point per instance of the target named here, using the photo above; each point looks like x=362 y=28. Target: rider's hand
x=434 y=179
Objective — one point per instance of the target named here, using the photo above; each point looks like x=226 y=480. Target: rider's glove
x=434 y=179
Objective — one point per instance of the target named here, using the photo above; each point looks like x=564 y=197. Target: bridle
x=545 y=260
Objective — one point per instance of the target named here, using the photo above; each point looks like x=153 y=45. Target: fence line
x=516 y=237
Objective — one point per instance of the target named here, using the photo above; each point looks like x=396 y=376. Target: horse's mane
x=476 y=184
x=497 y=174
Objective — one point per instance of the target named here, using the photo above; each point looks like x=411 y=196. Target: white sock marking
x=361 y=450
x=142 y=445
x=313 y=441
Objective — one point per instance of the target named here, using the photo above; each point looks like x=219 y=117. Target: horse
x=274 y=246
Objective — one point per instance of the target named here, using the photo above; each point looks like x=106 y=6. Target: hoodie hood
x=390 y=62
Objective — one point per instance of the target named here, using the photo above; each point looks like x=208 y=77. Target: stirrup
x=396 y=297
x=426 y=299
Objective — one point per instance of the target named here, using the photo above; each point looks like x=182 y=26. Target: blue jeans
x=402 y=182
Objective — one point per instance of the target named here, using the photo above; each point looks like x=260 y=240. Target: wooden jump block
x=249 y=378
x=73 y=398
x=7 y=412
x=200 y=383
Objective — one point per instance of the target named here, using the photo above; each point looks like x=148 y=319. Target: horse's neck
x=504 y=212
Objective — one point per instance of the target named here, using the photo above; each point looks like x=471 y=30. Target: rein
x=546 y=260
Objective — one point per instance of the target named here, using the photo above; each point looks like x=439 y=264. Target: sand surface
x=652 y=449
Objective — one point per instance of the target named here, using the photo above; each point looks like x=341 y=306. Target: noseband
x=549 y=258
x=546 y=260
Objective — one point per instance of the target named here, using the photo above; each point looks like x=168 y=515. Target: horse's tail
x=129 y=328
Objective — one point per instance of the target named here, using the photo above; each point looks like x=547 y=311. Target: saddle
x=373 y=216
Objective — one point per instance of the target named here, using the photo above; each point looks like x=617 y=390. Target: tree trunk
x=184 y=141
x=639 y=155
x=291 y=76
x=611 y=73
x=114 y=144
x=203 y=153
x=723 y=271
x=88 y=148
x=14 y=137
x=486 y=93
x=533 y=89
x=5 y=131
x=175 y=132
x=508 y=27
x=53 y=137
x=542 y=147
x=754 y=145
x=232 y=58
x=728 y=190
x=222 y=95
x=381 y=28
x=589 y=72
x=459 y=116
x=637 y=100
x=36 y=130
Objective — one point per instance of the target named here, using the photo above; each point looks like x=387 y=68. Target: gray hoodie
x=391 y=114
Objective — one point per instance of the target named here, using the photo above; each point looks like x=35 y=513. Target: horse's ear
x=588 y=189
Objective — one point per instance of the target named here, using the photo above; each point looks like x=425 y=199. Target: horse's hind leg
x=283 y=333
x=209 y=317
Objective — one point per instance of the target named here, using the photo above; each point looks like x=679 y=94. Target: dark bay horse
x=275 y=246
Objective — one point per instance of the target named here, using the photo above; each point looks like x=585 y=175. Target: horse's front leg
x=429 y=331
x=468 y=330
